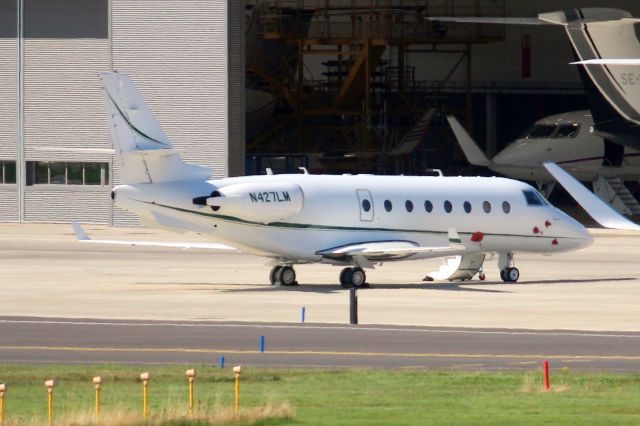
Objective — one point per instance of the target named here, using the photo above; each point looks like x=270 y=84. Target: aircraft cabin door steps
x=459 y=268
x=612 y=190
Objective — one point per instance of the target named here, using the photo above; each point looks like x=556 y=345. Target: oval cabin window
x=409 y=206
x=387 y=205
x=448 y=207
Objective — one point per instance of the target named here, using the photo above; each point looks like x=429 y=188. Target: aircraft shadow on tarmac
x=470 y=286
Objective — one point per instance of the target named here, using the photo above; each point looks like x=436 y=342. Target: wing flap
x=395 y=250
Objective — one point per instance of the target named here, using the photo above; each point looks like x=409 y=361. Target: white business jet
x=352 y=221
x=606 y=43
x=566 y=140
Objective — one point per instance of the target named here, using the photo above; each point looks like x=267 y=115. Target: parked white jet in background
x=353 y=221
x=566 y=140
x=606 y=43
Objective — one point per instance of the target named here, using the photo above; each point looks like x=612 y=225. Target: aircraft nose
x=579 y=237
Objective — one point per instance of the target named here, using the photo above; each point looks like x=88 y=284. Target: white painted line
x=331 y=328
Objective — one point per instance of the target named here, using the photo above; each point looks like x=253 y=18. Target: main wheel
x=357 y=277
x=286 y=276
x=503 y=275
x=513 y=274
x=273 y=275
x=344 y=278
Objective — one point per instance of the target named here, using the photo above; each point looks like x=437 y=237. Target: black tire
x=513 y=274
x=357 y=277
x=273 y=275
x=344 y=278
x=503 y=275
x=286 y=276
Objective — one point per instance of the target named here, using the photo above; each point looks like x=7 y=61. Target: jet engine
x=258 y=202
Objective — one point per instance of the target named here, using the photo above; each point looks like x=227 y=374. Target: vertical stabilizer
x=143 y=151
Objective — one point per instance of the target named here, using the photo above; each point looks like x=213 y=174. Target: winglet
x=80 y=234
x=597 y=209
x=471 y=150
x=454 y=239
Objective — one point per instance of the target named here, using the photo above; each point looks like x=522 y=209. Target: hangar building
x=187 y=58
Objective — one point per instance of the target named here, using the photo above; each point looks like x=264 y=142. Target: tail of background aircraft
x=471 y=150
x=607 y=45
x=143 y=152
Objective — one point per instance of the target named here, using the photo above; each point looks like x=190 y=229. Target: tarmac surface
x=46 y=273
x=50 y=340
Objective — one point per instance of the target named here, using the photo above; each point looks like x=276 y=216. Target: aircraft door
x=366 y=205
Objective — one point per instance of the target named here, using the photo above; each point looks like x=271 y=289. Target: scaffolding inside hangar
x=368 y=112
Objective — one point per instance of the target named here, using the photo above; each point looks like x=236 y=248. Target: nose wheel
x=508 y=272
x=283 y=275
x=353 y=277
x=510 y=275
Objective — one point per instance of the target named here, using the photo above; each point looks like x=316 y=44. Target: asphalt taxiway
x=52 y=340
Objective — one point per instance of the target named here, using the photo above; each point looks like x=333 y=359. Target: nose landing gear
x=353 y=277
x=283 y=275
x=508 y=272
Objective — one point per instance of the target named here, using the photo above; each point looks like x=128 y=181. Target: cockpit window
x=534 y=198
x=539 y=131
x=567 y=131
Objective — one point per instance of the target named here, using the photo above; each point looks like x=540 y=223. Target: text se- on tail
x=142 y=150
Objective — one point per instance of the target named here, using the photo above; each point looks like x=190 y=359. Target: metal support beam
x=490 y=103
x=21 y=166
x=469 y=93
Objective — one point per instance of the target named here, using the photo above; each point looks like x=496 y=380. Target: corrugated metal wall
x=175 y=50
x=66 y=44
x=8 y=104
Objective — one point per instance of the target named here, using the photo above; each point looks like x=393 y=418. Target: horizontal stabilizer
x=107 y=151
x=82 y=236
x=489 y=20
x=597 y=209
x=618 y=61
x=471 y=150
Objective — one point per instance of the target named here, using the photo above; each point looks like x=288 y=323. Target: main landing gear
x=283 y=275
x=508 y=272
x=353 y=277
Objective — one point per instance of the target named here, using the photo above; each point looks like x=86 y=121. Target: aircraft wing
x=394 y=250
x=597 y=209
x=82 y=236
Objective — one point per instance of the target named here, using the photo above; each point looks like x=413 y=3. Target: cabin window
x=486 y=206
x=387 y=205
x=539 y=131
x=467 y=207
x=366 y=205
x=534 y=198
x=506 y=207
x=409 y=206
x=567 y=131
x=448 y=206
x=428 y=206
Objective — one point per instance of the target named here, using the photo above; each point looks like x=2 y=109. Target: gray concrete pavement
x=46 y=273
x=51 y=340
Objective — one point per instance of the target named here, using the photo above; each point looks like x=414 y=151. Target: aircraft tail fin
x=143 y=152
x=471 y=150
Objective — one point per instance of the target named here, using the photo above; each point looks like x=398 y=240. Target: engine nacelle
x=258 y=202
